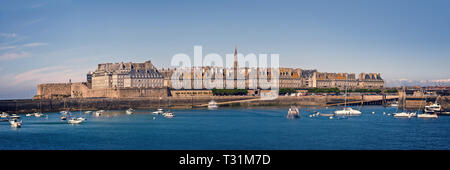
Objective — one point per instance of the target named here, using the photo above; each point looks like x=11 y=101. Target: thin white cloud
x=8 y=35
x=35 y=44
x=7 y=47
x=34 y=21
x=13 y=56
x=54 y=74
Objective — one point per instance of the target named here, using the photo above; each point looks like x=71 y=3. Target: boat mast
x=345 y=97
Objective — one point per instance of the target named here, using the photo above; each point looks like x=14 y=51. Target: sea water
x=259 y=128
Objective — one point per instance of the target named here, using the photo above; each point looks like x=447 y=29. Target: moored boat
x=293 y=113
x=425 y=115
x=37 y=114
x=130 y=111
x=74 y=121
x=4 y=115
x=15 y=123
x=212 y=105
x=433 y=108
x=347 y=111
x=404 y=114
x=168 y=114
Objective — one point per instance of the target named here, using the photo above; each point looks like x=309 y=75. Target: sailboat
x=403 y=113
x=168 y=113
x=39 y=114
x=347 y=110
x=293 y=113
x=159 y=111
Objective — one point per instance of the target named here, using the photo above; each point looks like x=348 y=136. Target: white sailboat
x=347 y=110
x=168 y=113
x=293 y=113
x=404 y=114
x=212 y=105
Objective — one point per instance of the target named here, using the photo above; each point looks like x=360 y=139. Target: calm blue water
x=230 y=128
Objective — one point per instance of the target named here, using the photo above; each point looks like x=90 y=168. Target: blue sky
x=52 y=41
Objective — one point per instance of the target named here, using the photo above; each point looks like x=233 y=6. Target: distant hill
x=406 y=82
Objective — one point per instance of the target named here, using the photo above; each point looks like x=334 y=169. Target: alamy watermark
x=239 y=72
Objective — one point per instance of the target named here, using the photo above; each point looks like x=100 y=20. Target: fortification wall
x=53 y=90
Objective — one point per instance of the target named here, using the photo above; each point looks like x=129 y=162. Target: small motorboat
x=15 y=123
x=28 y=115
x=37 y=114
x=4 y=115
x=159 y=111
x=168 y=114
x=63 y=117
x=82 y=119
x=74 y=121
x=404 y=114
x=99 y=112
x=88 y=112
x=426 y=115
x=129 y=111
x=212 y=105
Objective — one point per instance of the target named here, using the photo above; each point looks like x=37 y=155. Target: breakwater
x=73 y=104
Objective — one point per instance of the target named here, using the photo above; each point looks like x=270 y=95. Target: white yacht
x=74 y=121
x=168 y=114
x=433 y=108
x=99 y=112
x=15 y=123
x=130 y=111
x=4 y=115
x=81 y=118
x=425 y=115
x=37 y=114
x=395 y=104
x=159 y=111
x=347 y=111
x=405 y=114
x=212 y=105
x=293 y=113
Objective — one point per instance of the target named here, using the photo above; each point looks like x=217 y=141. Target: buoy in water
x=331 y=117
